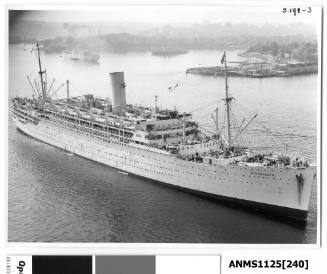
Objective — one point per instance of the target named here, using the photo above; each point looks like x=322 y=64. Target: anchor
x=300 y=183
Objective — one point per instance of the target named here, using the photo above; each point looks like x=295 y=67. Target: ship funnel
x=118 y=92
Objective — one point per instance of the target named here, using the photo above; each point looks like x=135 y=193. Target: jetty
x=258 y=69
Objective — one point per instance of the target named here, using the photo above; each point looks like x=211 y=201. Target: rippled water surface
x=55 y=196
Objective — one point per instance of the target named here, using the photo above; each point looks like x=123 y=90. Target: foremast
x=227 y=100
x=43 y=92
x=41 y=72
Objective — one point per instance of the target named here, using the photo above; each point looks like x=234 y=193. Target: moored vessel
x=83 y=55
x=168 y=51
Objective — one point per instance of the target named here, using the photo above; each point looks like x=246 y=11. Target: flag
x=223 y=58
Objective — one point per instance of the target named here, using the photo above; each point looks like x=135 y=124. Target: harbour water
x=55 y=196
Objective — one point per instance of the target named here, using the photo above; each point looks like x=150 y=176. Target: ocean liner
x=166 y=146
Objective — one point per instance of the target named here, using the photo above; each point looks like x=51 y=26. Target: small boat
x=164 y=51
x=83 y=55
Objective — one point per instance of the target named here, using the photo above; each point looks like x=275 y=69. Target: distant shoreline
x=237 y=71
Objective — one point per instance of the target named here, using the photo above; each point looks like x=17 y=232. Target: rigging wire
x=274 y=138
x=76 y=88
x=208 y=105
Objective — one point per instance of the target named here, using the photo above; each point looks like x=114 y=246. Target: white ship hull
x=271 y=189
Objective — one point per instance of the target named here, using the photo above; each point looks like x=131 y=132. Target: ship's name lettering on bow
x=262 y=174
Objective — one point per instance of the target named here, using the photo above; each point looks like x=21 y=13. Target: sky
x=172 y=14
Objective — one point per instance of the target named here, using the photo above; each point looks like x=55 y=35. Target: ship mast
x=228 y=100
x=41 y=72
x=156 y=104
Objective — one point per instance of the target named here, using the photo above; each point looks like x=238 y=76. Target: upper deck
x=139 y=131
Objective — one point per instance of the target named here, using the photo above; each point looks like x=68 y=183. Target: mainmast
x=41 y=72
x=227 y=99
